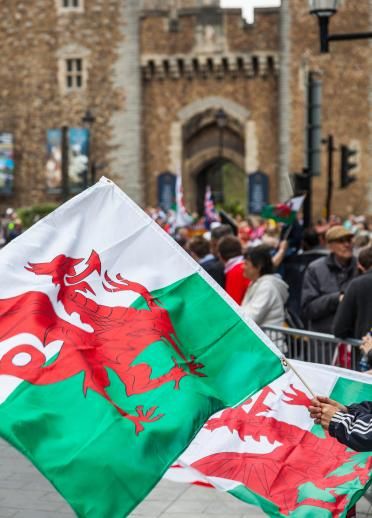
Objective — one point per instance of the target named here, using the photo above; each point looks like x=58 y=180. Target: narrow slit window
x=71 y=5
x=74 y=74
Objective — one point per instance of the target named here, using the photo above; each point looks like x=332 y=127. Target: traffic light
x=347 y=165
x=301 y=183
x=314 y=124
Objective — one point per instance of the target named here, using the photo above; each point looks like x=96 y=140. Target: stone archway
x=228 y=184
x=196 y=142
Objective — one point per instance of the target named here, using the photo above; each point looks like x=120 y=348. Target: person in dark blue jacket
x=351 y=425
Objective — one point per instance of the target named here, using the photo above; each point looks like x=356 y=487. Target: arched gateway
x=213 y=150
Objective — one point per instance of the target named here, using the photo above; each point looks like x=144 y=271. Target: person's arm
x=366 y=345
x=258 y=306
x=343 y=324
x=353 y=427
x=314 y=305
x=323 y=408
x=350 y=425
x=280 y=254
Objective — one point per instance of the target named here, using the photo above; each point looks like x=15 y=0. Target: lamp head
x=221 y=118
x=88 y=118
x=323 y=8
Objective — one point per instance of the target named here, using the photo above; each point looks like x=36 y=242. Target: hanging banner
x=78 y=162
x=166 y=190
x=6 y=163
x=53 y=170
x=78 y=159
x=258 y=192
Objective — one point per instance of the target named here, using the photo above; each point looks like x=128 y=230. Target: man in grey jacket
x=326 y=280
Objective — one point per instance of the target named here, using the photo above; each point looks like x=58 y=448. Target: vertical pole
x=308 y=200
x=314 y=140
x=93 y=172
x=64 y=162
x=323 y=29
x=285 y=189
x=330 y=151
x=307 y=171
x=89 y=176
x=219 y=172
x=221 y=143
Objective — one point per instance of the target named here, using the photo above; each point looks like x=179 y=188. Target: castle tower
x=126 y=163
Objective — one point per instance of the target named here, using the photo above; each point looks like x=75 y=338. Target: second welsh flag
x=284 y=212
x=268 y=451
x=114 y=350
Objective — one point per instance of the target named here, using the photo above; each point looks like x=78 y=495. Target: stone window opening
x=64 y=6
x=74 y=74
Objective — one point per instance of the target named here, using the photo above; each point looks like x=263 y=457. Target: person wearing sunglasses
x=327 y=279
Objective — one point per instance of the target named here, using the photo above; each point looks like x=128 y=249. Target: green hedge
x=30 y=215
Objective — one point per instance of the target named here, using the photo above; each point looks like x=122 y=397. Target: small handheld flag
x=210 y=212
x=284 y=212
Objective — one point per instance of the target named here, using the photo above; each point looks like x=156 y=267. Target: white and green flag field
x=268 y=451
x=115 y=349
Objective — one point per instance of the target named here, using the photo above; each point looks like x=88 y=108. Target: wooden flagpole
x=287 y=362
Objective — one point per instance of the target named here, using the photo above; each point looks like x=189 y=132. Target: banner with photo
x=6 y=163
x=78 y=159
x=53 y=170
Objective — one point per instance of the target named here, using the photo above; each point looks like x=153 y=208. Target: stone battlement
x=187 y=39
x=209 y=65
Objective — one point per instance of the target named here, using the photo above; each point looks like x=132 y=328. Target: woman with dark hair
x=265 y=298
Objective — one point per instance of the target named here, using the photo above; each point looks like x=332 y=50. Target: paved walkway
x=24 y=493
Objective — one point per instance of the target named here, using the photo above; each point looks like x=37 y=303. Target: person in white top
x=265 y=299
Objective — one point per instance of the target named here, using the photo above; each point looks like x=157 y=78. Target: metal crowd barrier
x=314 y=347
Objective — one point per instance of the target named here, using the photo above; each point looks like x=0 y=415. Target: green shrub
x=30 y=215
x=234 y=208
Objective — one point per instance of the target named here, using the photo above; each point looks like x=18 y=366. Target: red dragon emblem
x=279 y=474
x=119 y=335
x=282 y=210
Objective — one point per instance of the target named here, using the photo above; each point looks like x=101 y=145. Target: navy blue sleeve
x=354 y=427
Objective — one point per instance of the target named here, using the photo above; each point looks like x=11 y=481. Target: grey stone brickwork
x=285 y=189
x=126 y=155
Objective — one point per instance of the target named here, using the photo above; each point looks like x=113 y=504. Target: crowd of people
x=318 y=279
x=10 y=226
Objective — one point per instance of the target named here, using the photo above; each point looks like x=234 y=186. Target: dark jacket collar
x=333 y=264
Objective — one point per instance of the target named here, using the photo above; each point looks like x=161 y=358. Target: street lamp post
x=64 y=163
x=323 y=10
x=329 y=141
x=88 y=120
x=221 y=120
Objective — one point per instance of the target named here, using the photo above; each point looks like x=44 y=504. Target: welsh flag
x=115 y=348
x=268 y=452
x=284 y=212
